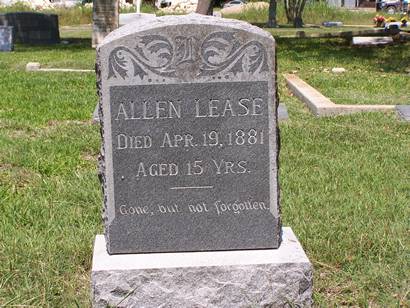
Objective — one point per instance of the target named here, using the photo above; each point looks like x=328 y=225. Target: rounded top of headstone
x=147 y=23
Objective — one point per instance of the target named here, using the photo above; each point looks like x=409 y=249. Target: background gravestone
x=190 y=136
x=32 y=28
x=105 y=19
x=6 y=38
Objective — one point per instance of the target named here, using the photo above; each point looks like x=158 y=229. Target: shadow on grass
x=75 y=44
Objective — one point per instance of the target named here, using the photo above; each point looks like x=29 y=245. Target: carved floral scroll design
x=218 y=53
x=222 y=52
x=153 y=53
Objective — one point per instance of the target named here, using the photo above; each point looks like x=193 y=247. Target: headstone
x=190 y=136
x=32 y=28
x=189 y=170
x=6 y=38
x=105 y=19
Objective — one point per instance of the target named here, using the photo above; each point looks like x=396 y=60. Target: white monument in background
x=138 y=6
x=132 y=17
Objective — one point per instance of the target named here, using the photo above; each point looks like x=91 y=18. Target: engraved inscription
x=218 y=207
x=164 y=136
x=168 y=109
x=186 y=49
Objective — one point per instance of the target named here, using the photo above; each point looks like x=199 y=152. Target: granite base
x=248 y=278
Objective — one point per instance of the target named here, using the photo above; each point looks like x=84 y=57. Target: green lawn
x=373 y=75
x=345 y=180
x=315 y=12
x=290 y=32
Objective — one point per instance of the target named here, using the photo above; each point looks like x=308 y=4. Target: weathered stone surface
x=189 y=158
x=6 y=38
x=251 y=278
x=404 y=112
x=372 y=40
x=105 y=19
x=338 y=70
x=95 y=116
x=32 y=28
x=283 y=114
x=33 y=66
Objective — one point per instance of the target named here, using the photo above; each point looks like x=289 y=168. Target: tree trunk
x=205 y=7
x=105 y=19
x=298 y=22
x=272 y=14
x=300 y=6
x=287 y=11
x=294 y=10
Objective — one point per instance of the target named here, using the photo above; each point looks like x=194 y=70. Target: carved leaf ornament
x=220 y=52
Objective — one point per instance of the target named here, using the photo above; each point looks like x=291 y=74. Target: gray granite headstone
x=6 y=38
x=189 y=160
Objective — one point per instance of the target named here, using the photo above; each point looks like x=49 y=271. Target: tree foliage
x=205 y=7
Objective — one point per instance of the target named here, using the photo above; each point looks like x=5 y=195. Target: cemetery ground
x=345 y=188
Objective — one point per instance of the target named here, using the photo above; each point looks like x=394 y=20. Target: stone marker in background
x=6 y=38
x=189 y=163
x=283 y=114
x=32 y=28
x=404 y=112
x=371 y=40
x=105 y=19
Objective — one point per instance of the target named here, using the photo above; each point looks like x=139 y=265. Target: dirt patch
x=17 y=177
x=12 y=130
x=54 y=123
x=87 y=156
x=15 y=132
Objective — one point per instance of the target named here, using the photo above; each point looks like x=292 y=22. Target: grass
x=290 y=32
x=314 y=13
x=66 y=16
x=345 y=180
x=374 y=75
